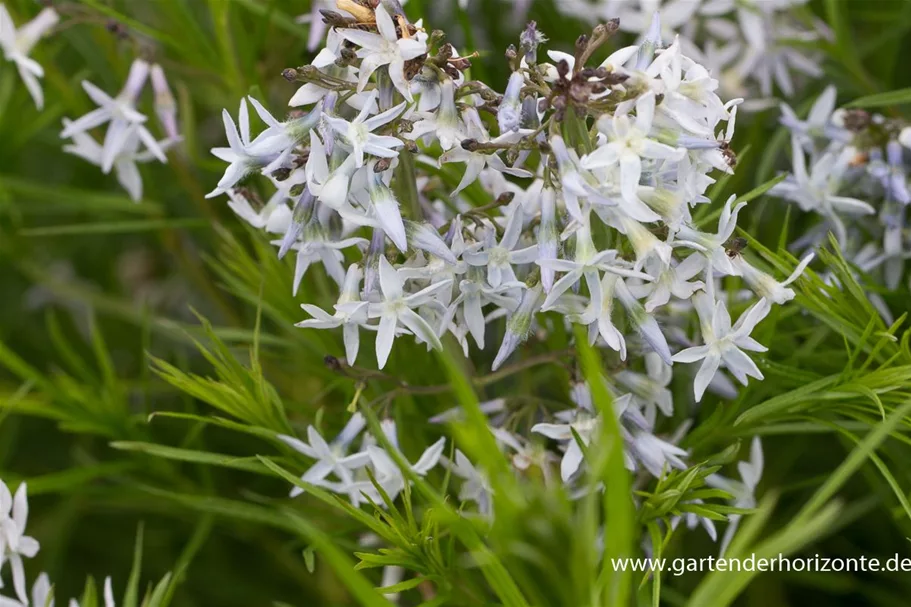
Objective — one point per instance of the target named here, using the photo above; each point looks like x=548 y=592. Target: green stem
x=406 y=187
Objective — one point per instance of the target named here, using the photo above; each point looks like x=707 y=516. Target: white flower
x=121 y=112
x=817 y=191
x=655 y=454
x=585 y=427
x=628 y=143
x=672 y=279
x=318 y=246
x=385 y=48
x=712 y=246
x=723 y=343
x=650 y=388
x=474 y=293
x=818 y=123
x=744 y=492
x=124 y=163
x=241 y=162
x=274 y=217
x=331 y=459
x=445 y=123
x=389 y=476
x=14 y=544
x=767 y=287
x=41 y=595
x=475 y=486
x=476 y=161
x=280 y=139
x=359 y=136
x=499 y=257
x=350 y=313
x=588 y=263
x=397 y=308
x=645 y=323
x=16 y=45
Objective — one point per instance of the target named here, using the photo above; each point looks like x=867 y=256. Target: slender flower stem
x=406 y=186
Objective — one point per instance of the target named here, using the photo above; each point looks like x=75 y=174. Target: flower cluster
x=127 y=140
x=752 y=46
x=578 y=200
x=850 y=167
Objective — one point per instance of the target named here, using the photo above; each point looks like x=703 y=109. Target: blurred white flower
x=16 y=45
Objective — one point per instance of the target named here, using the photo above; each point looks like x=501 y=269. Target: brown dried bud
x=445 y=53
x=347 y=56
x=332 y=362
x=470 y=145
x=856 y=120
x=414 y=66
x=382 y=165
x=336 y=19
x=460 y=63
x=582 y=42
x=289 y=74
x=505 y=198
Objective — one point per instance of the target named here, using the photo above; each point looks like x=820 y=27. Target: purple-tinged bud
x=300 y=216
x=372 y=261
x=547 y=235
x=509 y=116
x=136 y=80
x=650 y=43
x=165 y=106
x=529 y=41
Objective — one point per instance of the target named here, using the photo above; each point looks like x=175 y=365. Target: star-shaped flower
x=385 y=48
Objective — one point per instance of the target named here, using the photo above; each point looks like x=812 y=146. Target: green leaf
x=899 y=97
x=131 y=598
x=248 y=464
x=619 y=514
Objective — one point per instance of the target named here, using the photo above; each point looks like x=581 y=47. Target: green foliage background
x=101 y=325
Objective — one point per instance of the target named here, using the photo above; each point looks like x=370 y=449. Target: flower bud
x=165 y=106
x=519 y=324
x=139 y=72
x=422 y=236
x=300 y=216
x=509 y=116
x=387 y=211
x=547 y=235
